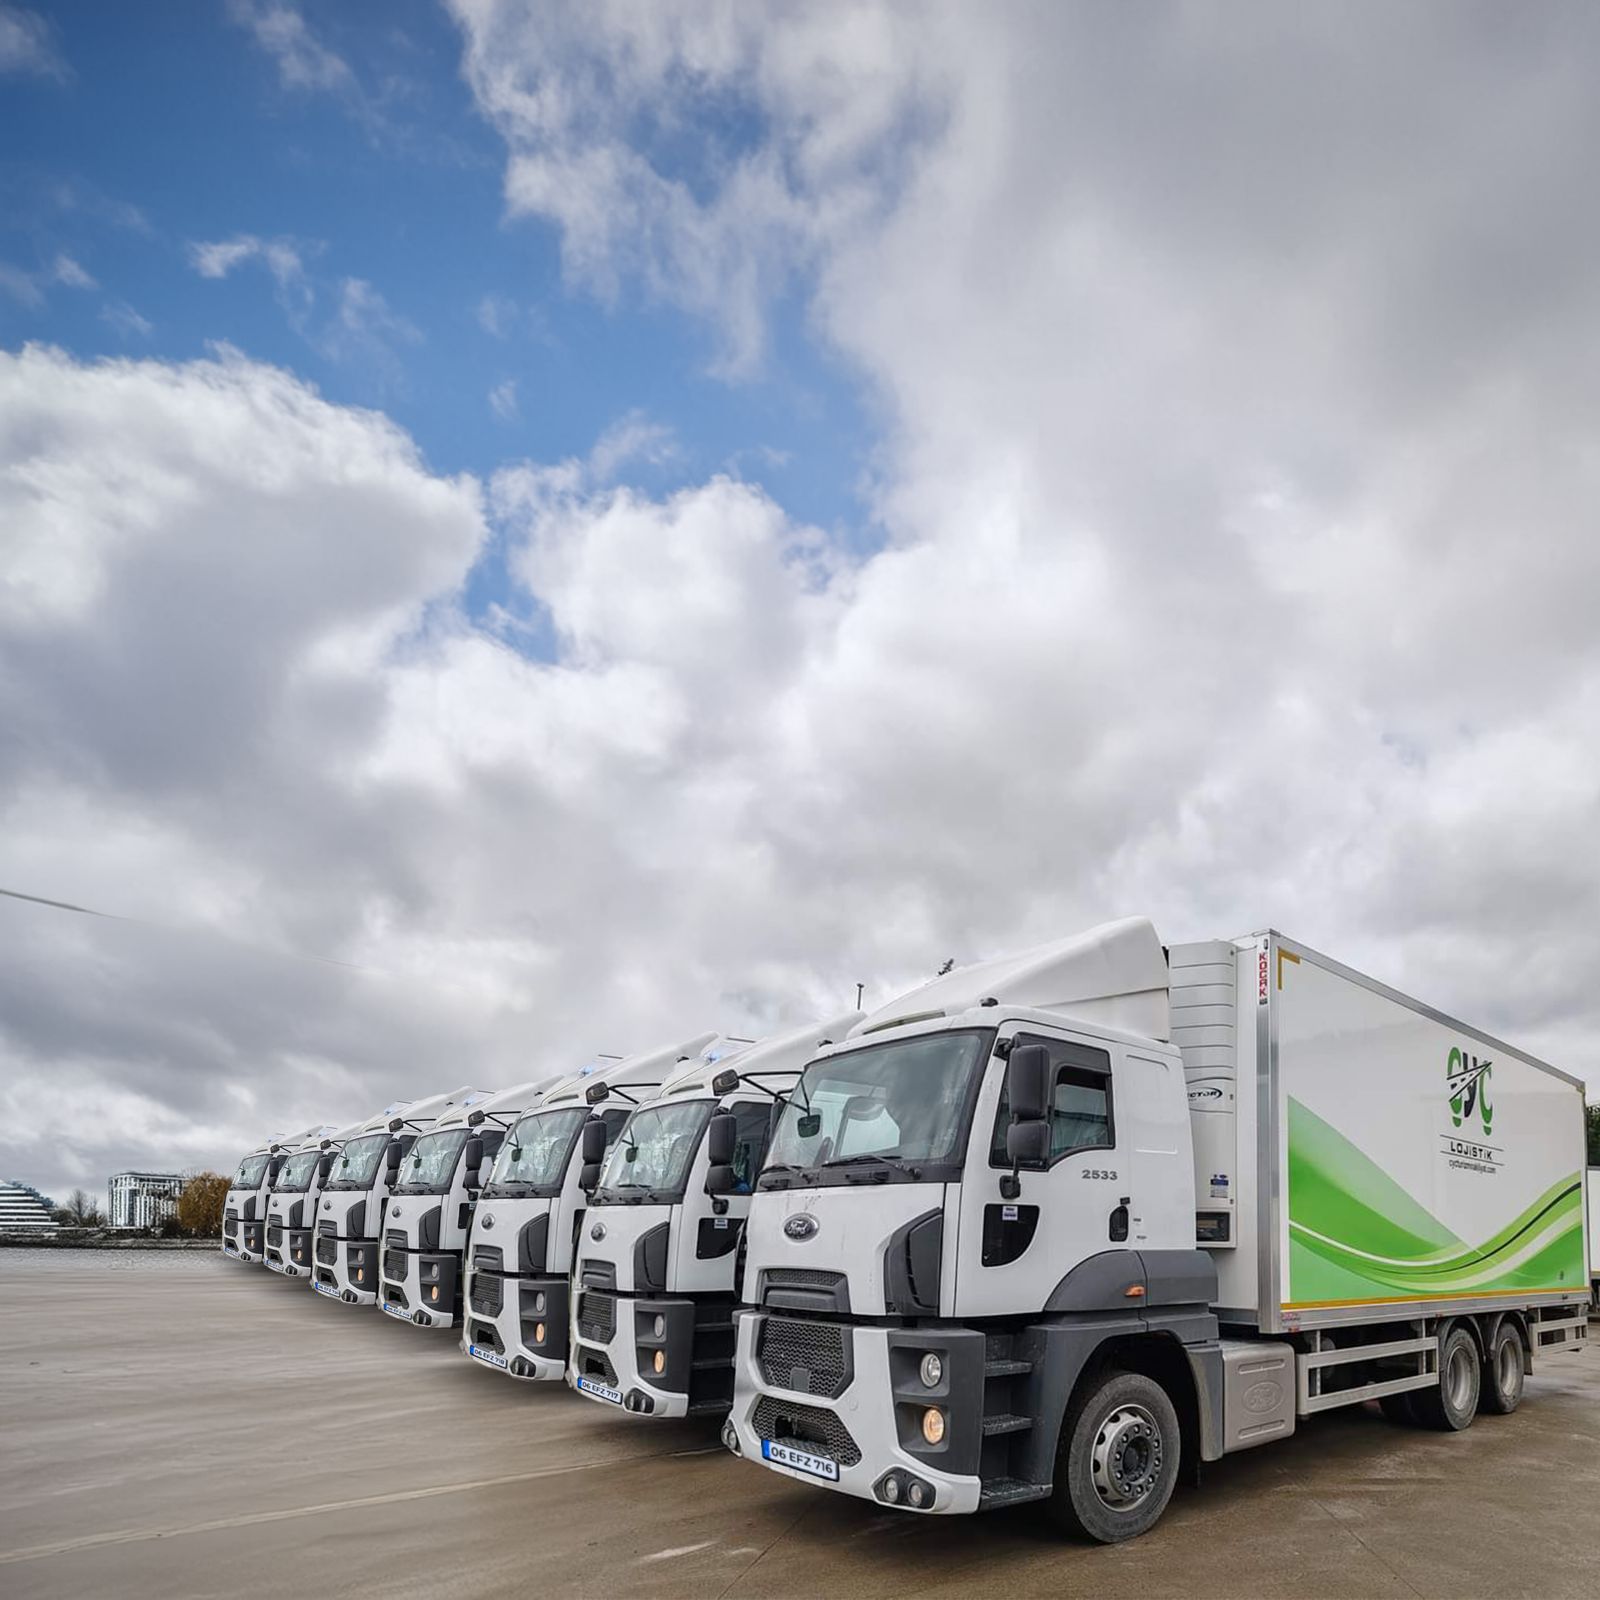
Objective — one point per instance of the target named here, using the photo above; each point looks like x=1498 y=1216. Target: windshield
x=905 y=1101
x=294 y=1177
x=432 y=1162
x=537 y=1152
x=359 y=1162
x=250 y=1172
x=653 y=1151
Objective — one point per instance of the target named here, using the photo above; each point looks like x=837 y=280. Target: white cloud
x=634 y=437
x=497 y=315
x=127 y=321
x=503 y=400
x=71 y=273
x=27 y=45
x=20 y=285
x=303 y=61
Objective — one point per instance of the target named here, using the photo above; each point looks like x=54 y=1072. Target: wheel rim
x=1508 y=1368
x=1127 y=1456
x=1458 y=1375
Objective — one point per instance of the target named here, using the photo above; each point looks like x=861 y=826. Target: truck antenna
x=859 y=988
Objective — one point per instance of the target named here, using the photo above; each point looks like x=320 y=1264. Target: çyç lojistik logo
x=1467 y=1079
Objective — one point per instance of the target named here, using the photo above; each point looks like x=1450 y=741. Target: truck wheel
x=1118 y=1459
x=1453 y=1403
x=1502 y=1372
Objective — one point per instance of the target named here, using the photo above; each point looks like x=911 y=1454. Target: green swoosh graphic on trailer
x=1355 y=1234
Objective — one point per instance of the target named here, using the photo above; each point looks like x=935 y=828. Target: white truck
x=659 y=1257
x=1594 y=1235
x=292 y=1202
x=529 y=1215
x=1112 y=1211
x=349 y=1224
x=244 y=1210
x=429 y=1215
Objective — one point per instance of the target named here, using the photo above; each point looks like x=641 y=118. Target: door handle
x=1118 y=1230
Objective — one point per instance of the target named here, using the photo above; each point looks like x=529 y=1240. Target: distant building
x=24 y=1210
x=143 y=1199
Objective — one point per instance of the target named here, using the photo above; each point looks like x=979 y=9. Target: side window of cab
x=753 y=1130
x=1081 y=1111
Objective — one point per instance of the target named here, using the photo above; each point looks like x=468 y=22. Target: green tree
x=200 y=1205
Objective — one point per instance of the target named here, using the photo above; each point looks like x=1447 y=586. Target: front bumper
x=346 y=1270
x=425 y=1295
x=517 y=1325
x=854 y=1418
x=615 y=1347
x=292 y=1255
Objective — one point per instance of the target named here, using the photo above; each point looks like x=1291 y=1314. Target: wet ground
x=184 y=1425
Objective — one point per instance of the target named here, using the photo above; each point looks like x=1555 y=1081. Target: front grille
x=394 y=1255
x=597 y=1316
x=809 y=1427
x=487 y=1259
x=327 y=1249
x=230 y=1224
x=801 y=1278
x=275 y=1233
x=596 y=1364
x=809 y=1357
x=488 y=1294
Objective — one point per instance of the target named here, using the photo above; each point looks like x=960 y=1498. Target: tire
x=1503 y=1377
x=1398 y=1409
x=1118 y=1460
x=1452 y=1403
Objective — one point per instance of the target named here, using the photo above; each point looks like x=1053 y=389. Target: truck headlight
x=933 y=1425
x=538 y=1304
x=660 y=1362
x=660 y=1329
x=538 y=1333
x=932 y=1370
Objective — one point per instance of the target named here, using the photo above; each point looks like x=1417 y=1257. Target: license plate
x=323 y=1288
x=493 y=1357
x=600 y=1391
x=801 y=1460
x=397 y=1311
x=228 y=1250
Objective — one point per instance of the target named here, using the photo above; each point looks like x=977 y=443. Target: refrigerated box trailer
x=1116 y=1210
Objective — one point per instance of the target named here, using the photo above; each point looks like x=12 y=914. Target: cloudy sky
x=528 y=529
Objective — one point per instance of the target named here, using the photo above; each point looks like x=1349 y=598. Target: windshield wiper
x=895 y=1163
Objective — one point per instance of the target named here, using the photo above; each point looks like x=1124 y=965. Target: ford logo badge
x=394 y=1211
x=598 y=1231
x=801 y=1227
x=488 y=1219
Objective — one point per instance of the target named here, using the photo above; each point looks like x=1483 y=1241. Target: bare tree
x=80 y=1212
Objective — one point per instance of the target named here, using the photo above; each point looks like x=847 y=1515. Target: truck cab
x=908 y=1265
x=244 y=1211
x=658 y=1279
x=292 y=1204
x=356 y=1196
x=429 y=1215
x=523 y=1238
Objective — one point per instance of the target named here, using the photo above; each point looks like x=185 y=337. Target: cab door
x=1013 y=1252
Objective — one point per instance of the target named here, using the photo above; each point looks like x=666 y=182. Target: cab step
x=1001 y=1492
x=1006 y=1369
x=1007 y=1423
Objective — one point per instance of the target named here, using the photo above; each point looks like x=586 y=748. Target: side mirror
x=392 y=1156
x=1028 y=1083
x=474 y=1155
x=1028 y=1144
x=594 y=1142
x=588 y=1175
x=324 y=1167
x=809 y=1124
x=720 y=1136
x=720 y=1178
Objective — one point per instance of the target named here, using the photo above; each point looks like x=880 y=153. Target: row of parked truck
x=1062 y=1226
